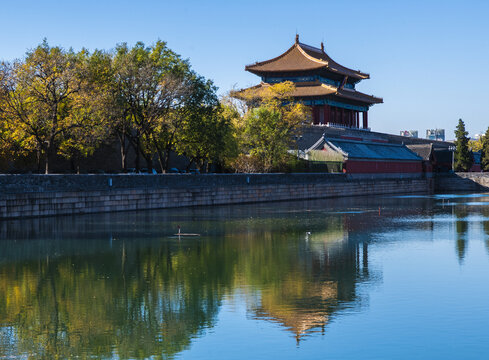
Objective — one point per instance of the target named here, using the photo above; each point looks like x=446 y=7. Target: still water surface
x=364 y=278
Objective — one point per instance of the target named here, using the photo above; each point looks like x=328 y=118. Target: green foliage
x=45 y=103
x=269 y=126
x=57 y=102
x=475 y=145
x=167 y=106
x=205 y=130
x=485 y=151
x=265 y=135
x=153 y=85
x=463 y=158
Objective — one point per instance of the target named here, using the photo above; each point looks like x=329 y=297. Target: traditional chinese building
x=321 y=83
x=364 y=157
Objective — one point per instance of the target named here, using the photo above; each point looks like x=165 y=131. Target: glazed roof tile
x=318 y=89
x=375 y=151
x=302 y=57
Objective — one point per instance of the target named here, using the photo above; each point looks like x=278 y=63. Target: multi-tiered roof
x=319 y=80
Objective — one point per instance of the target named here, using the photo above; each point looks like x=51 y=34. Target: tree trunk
x=167 y=158
x=72 y=165
x=123 y=148
x=48 y=152
x=38 y=159
x=138 y=151
x=149 y=163
x=160 y=156
x=160 y=161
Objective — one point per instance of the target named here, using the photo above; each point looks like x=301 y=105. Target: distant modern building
x=409 y=133
x=321 y=83
x=435 y=134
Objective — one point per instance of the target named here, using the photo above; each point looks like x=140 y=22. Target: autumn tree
x=271 y=124
x=91 y=109
x=206 y=132
x=152 y=82
x=485 y=151
x=462 y=156
x=476 y=145
x=38 y=98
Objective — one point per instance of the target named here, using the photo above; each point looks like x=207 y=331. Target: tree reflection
x=150 y=301
x=319 y=279
x=124 y=288
x=461 y=227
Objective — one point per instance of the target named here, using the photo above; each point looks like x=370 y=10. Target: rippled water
x=359 y=278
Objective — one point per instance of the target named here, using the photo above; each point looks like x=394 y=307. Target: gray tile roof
x=369 y=150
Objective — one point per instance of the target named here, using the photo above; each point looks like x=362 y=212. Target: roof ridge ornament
x=322 y=46
x=296 y=38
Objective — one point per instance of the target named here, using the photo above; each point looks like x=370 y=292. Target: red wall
x=356 y=166
x=475 y=168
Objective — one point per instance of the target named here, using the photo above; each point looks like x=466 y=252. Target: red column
x=357 y=115
x=365 y=119
x=326 y=114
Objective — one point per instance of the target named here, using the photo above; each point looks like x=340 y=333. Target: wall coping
x=36 y=183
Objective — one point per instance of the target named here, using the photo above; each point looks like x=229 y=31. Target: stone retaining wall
x=462 y=181
x=44 y=195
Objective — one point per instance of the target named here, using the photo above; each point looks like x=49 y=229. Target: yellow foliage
x=476 y=145
x=269 y=127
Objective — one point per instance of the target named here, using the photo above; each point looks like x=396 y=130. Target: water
x=360 y=278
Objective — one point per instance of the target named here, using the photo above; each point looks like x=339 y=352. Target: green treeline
x=463 y=158
x=146 y=99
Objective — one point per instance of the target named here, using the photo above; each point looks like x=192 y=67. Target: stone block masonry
x=46 y=195
x=462 y=181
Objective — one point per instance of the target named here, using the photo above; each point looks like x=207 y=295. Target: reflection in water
x=461 y=226
x=135 y=300
x=118 y=285
x=304 y=299
x=485 y=226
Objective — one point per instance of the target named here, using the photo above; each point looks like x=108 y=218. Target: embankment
x=462 y=181
x=45 y=195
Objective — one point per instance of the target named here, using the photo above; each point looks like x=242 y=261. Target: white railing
x=341 y=126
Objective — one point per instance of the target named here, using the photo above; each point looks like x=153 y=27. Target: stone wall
x=462 y=181
x=44 y=195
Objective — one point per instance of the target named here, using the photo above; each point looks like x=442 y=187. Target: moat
x=370 y=277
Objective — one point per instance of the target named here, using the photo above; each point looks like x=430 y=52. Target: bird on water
x=180 y=233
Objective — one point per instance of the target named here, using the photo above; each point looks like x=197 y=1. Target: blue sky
x=427 y=59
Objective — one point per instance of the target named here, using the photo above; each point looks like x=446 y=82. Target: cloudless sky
x=428 y=60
